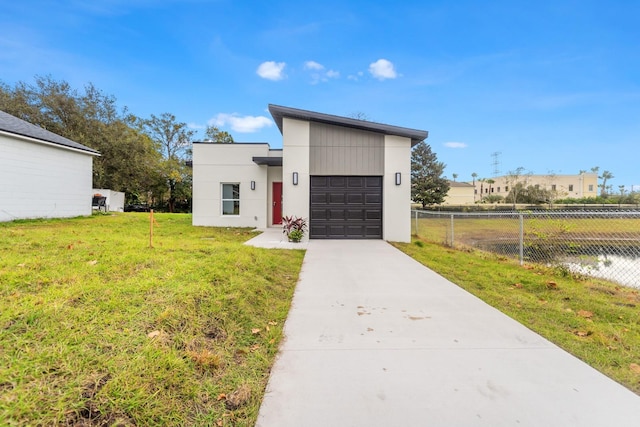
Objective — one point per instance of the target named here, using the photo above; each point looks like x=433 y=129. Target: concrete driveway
x=374 y=338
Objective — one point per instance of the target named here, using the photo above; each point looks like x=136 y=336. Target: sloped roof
x=14 y=125
x=279 y=112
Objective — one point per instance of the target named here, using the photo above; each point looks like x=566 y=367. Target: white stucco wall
x=295 y=158
x=39 y=180
x=396 y=199
x=214 y=164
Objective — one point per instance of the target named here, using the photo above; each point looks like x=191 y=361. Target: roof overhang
x=268 y=161
x=278 y=112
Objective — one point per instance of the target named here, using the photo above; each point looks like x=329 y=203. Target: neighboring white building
x=578 y=186
x=460 y=193
x=350 y=178
x=42 y=175
x=115 y=199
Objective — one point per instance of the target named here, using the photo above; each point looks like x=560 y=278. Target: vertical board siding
x=336 y=150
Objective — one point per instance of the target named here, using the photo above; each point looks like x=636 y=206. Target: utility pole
x=496 y=163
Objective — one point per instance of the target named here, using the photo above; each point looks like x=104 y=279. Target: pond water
x=620 y=264
x=617 y=268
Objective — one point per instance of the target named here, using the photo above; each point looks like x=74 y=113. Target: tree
x=606 y=175
x=474 y=176
x=428 y=185
x=213 y=134
x=553 y=192
x=173 y=138
x=481 y=181
x=128 y=158
x=360 y=115
x=455 y=176
x=490 y=182
x=513 y=179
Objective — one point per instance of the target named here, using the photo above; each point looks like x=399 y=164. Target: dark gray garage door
x=346 y=207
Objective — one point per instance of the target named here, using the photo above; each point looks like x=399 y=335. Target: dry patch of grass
x=595 y=320
x=96 y=328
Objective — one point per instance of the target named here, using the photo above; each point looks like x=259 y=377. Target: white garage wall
x=43 y=181
x=396 y=199
x=295 y=158
x=214 y=164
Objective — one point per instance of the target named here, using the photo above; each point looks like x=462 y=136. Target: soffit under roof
x=268 y=161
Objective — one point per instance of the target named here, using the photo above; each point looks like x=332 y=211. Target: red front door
x=277 y=203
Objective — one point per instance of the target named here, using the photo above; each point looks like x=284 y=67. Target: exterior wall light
x=253 y=185
x=295 y=178
x=398 y=178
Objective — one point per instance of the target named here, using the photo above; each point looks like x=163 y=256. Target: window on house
x=230 y=199
x=498 y=189
x=492 y=189
x=553 y=187
x=475 y=191
x=590 y=187
x=506 y=188
x=570 y=187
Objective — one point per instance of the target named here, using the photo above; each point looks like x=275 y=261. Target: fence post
x=451 y=230
x=417 y=233
x=521 y=239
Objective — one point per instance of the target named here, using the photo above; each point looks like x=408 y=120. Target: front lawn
x=97 y=328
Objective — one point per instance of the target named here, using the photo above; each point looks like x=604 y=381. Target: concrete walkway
x=274 y=238
x=374 y=338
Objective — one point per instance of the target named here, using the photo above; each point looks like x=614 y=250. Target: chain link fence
x=599 y=244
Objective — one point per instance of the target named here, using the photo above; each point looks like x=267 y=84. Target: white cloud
x=195 y=126
x=382 y=69
x=455 y=144
x=355 y=77
x=271 y=70
x=318 y=73
x=242 y=124
x=313 y=65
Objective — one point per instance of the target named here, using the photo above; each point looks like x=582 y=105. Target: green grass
x=469 y=228
x=597 y=321
x=97 y=328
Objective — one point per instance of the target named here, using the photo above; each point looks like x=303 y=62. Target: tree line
x=146 y=158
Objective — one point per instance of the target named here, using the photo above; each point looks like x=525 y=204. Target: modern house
x=43 y=175
x=350 y=178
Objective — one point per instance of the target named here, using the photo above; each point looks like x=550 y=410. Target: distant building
x=43 y=175
x=460 y=193
x=564 y=186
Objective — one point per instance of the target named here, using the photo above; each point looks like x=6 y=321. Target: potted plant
x=294 y=227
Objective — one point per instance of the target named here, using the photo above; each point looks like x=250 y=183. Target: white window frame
x=223 y=200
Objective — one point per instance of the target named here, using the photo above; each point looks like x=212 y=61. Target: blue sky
x=553 y=86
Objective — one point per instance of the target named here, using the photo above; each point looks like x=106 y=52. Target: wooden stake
x=151 y=228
